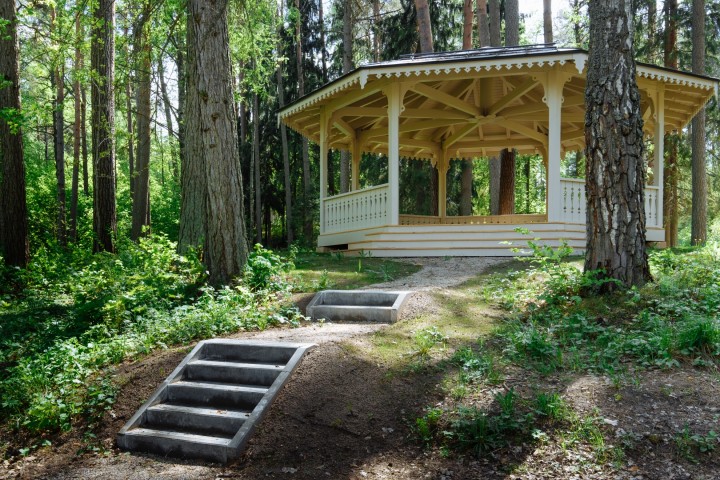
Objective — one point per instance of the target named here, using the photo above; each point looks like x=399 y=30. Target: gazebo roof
x=477 y=102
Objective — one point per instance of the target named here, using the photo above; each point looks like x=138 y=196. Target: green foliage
x=426 y=339
x=79 y=316
x=265 y=270
x=476 y=367
x=689 y=444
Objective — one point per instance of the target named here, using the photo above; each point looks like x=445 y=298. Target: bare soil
x=344 y=416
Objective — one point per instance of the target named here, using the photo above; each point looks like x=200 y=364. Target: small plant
x=426 y=426
x=689 y=444
x=264 y=270
x=427 y=338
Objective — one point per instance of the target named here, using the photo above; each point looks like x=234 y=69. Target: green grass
x=322 y=271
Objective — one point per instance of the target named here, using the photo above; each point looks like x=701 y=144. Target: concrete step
x=209 y=406
x=357 y=305
x=196 y=419
x=233 y=372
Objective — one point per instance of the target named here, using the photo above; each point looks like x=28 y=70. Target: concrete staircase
x=357 y=305
x=209 y=406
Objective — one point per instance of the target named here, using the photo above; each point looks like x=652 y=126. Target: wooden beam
x=527 y=131
x=458 y=135
x=344 y=127
x=516 y=93
x=444 y=98
x=360 y=112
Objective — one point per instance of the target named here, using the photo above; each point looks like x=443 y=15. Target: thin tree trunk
x=347 y=67
x=76 y=130
x=527 y=184
x=577 y=30
x=103 y=126
x=376 y=30
x=182 y=90
x=286 y=162
x=83 y=140
x=143 y=77
x=256 y=168
x=547 y=21
x=512 y=23
x=483 y=27
x=466 y=176
x=494 y=162
x=14 y=245
x=699 y=179
x=57 y=81
x=323 y=62
x=307 y=185
x=212 y=197
x=615 y=174
x=172 y=134
x=507 y=157
x=670 y=190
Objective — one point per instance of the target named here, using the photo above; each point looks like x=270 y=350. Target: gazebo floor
x=484 y=240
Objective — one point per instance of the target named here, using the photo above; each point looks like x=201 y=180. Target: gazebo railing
x=356 y=210
x=574 y=203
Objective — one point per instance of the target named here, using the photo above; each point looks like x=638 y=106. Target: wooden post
x=553 y=98
x=659 y=151
x=323 y=167
x=442 y=168
x=356 y=157
x=394 y=104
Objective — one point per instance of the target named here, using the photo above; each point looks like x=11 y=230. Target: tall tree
x=466 y=178
x=57 y=80
x=14 y=246
x=289 y=227
x=256 y=167
x=670 y=192
x=212 y=193
x=142 y=51
x=77 y=128
x=482 y=24
x=547 y=21
x=699 y=179
x=506 y=204
x=307 y=185
x=424 y=26
x=347 y=43
x=103 y=125
x=494 y=162
x=615 y=174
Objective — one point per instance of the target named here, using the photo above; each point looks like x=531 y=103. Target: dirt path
x=338 y=415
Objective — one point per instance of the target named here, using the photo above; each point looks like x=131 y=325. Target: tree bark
x=143 y=76
x=347 y=67
x=483 y=27
x=83 y=140
x=286 y=162
x=14 y=245
x=57 y=80
x=466 y=176
x=494 y=8
x=103 y=126
x=699 y=179
x=182 y=90
x=256 y=168
x=670 y=190
x=494 y=162
x=212 y=197
x=376 y=30
x=547 y=21
x=77 y=129
x=507 y=182
x=615 y=174
x=307 y=185
x=424 y=26
x=512 y=23
x=167 y=104
x=129 y=116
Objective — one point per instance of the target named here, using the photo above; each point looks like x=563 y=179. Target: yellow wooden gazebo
x=472 y=104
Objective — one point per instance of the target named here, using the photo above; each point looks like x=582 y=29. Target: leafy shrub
x=265 y=269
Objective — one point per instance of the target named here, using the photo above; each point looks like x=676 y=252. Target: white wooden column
x=323 y=166
x=394 y=104
x=553 y=98
x=442 y=168
x=356 y=157
x=660 y=151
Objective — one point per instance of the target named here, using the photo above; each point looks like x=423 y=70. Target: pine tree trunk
x=507 y=182
x=286 y=162
x=615 y=174
x=547 y=21
x=376 y=30
x=256 y=168
x=143 y=76
x=172 y=134
x=76 y=131
x=494 y=9
x=182 y=89
x=214 y=213
x=512 y=23
x=14 y=246
x=699 y=179
x=129 y=119
x=307 y=184
x=483 y=27
x=466 y=176
x=494 y=162
x=424 y=26
x=347 y=67
x=670 y=190
x=83 y=140
x=57 y=82
x=103 y=126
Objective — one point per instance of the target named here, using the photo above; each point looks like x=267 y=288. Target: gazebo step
x=450 y=243
x=380 y=252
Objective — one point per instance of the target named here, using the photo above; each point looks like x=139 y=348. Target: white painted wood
x=323 y=167
x=356 y=210
x=356 y=157
x=394 y=104
x=574 y=202
x=553 y=98
x=653 y=207
x=659 y=153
